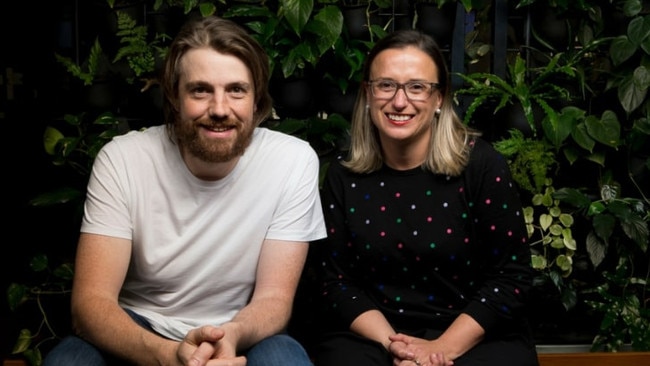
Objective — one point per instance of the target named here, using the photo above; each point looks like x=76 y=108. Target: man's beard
x=212 y=151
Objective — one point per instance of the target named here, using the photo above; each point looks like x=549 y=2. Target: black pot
x=294 y=98
x=438 y=23
x=550 y=28
x=339 y=102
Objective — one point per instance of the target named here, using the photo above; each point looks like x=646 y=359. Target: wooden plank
x=595 y=359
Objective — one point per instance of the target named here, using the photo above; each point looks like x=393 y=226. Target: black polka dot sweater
x=422 y=248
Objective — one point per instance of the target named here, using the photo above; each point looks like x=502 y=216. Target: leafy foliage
x=521 y=87
x=55 y=282
x=88 y=71
x=141 y=54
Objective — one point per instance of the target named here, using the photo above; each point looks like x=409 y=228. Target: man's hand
x=207 y=346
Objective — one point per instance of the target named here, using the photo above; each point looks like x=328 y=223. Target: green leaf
x=207 y=9
x=555 y=229
x=633 y=92
x=57 y=196
x=327 y=26
x=567 y=120
x=570 y=243
x=23 y=342
x=34 y=356
x=607 y=130
x=621 y=49
x=297 y=13
x=51 y=138
x=597 y=157
x=39 y=263
x=17 y=295
x=545 y=221
x=596 y=248
x=636 y=228
x=538 y=262
x=566 y=219
x=638 y=30
x=582 y=138
x=603 y=225
x=573 y=197
x=64 y=271
x=564 y=262
x=609 y=192
x=596 y=208
x=632 y=7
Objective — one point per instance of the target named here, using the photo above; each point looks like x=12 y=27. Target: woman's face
x=402 y=120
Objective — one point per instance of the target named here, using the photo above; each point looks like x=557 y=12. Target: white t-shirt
x=195 y=243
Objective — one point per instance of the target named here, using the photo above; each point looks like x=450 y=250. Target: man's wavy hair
x=224 y=36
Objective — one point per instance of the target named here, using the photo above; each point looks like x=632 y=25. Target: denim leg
x=278 y=350
x=74 y=351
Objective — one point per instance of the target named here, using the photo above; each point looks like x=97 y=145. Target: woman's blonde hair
x=449 y=148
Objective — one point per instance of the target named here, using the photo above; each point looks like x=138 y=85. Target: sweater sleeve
x=343 y=298
x=506 y=272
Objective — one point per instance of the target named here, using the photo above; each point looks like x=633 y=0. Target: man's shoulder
x=139 y=138
x=277 y=139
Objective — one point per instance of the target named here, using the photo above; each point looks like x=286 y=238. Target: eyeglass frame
x=402 y=86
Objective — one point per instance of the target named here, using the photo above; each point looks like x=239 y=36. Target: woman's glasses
x=415 y=90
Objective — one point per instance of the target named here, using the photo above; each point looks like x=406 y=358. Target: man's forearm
x=258 y=320
x=111 y=329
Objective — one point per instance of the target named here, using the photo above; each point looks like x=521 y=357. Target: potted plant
x=520 y=90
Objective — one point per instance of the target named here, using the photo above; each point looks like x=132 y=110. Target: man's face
x=216 y=105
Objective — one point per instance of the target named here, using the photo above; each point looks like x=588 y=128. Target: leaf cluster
x=295 y=35
x=136 y=48
x=523 y=86
x=52 y=282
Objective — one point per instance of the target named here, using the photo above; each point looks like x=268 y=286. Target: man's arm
x=268 y=313
x=100 y=269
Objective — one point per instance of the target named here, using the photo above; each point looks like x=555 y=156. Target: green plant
x=140 y=53
x=295 y=35
x=49 y=283
x=532 y=162
x=76 y=152
x=89 y=69
x=617 y=244
x=520 y=87
x=623 y=302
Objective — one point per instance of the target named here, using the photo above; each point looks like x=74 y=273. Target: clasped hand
x=413 y=351
x=209 y=346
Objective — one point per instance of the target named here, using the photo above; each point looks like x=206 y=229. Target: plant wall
x=580 y=150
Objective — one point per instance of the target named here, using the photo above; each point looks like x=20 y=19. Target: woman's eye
x=386 y=85
x=417 y=87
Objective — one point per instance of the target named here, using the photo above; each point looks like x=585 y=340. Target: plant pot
x=340 y=103
x=356 y=19
x=294 y=98
x=436 y=22
x=549 y=27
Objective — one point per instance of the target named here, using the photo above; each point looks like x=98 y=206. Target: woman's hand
x=413 y=351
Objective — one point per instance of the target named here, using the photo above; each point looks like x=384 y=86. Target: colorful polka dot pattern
x=421 y=247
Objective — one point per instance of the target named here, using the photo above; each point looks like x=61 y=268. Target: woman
x=426 y=260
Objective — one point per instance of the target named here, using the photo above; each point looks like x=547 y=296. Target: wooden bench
x=595 y=359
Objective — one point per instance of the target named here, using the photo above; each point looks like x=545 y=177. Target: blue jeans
x=277 y=350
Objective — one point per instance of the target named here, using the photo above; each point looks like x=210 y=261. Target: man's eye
x=237 y=91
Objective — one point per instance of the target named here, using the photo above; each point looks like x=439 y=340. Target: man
x=195 y=234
